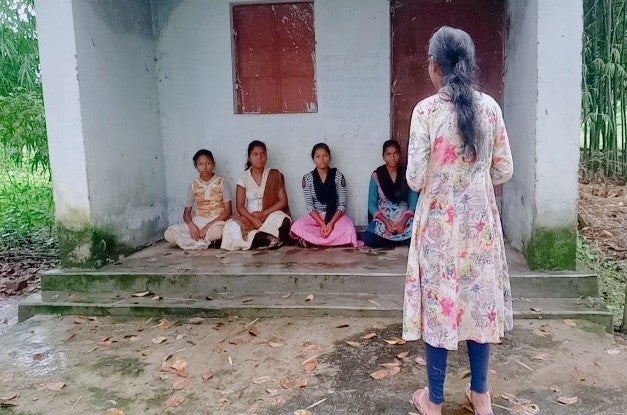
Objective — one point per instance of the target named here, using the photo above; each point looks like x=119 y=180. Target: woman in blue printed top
x=391 y=203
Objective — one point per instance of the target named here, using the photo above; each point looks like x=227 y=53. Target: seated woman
x=391 y=203
x=261 y=203
x=207 y=206
x=325 y=197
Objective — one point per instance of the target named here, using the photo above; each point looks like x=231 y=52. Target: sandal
x=418 y=398
x=469 y=398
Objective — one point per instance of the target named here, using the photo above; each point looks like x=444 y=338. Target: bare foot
x=481 y=402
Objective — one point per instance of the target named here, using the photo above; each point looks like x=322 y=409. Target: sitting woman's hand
x=390 y=226
x=257 y=219
x=326 y=229
x=194 y=231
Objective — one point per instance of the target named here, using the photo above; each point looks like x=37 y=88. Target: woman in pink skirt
x=325 y=196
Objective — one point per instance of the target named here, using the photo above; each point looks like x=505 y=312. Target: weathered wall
x=197 y=106
x=121 y=129
x=519 y=109
x=99 y=77
x=540 y=203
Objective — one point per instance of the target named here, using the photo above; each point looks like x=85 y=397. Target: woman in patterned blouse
x=457 y=286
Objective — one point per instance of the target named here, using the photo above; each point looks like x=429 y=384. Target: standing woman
x=457 y=286
x=324 y=188
x=391 y=203
x=261 y=203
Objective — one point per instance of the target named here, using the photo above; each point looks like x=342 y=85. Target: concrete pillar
x=102 y=112
x=542 y=111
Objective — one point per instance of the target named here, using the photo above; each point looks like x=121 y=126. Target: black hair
x=454 y=52
x=318 y=147
x=203 y=152
x=254 y=144
x=391 y=143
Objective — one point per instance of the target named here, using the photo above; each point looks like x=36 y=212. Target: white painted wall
x=560 y=28
x=542 y=113
x=197 y=110
x=121 y=128
x=519 y=110
x=57 y=53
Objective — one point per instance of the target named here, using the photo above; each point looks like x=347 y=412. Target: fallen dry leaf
x=536 y=309
x=369 y=336
x=166 y=357
x=262 y=379
x=394 y=371
x=309 y=297
x=420 y=361
x=172 y=402
x=380 y=374
x=273 y=392
x=253 y=330
x=286 y=296
x=309 y=349
x=293 y=383
x=540 y=356
x=394 y=341
x=275 y=344
x=180 y=383
x=207 y=375
x=80 y=320
x=567 y=400
x=9 y=397
x=179 y=364
x=310 y=365
x=115 y=411
x=555 y=388
x=570 y=323
x=579 y=375
x=159 y=340
x=164 y=324
x=52 y=386
x=196 y=320
x=546 y=328
x=390 y=365
x=157 y=298
x=352 y=344
x=525 y=409
x=302 y=412
x=141 y=294
x=402 y=355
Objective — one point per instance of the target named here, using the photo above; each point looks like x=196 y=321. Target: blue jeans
x=479 y=356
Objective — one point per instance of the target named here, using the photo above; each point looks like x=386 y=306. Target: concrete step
x=283 y=305
x=524 y=284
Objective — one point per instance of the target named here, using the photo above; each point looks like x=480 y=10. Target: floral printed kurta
x=457 y=285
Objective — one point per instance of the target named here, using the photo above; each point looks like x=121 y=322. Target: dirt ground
x=602 y=216
x=81 y=365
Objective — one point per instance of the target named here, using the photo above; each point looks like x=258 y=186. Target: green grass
x=612 y=277
x=26 y=206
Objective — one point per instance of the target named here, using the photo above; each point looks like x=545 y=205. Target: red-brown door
x=413 y=23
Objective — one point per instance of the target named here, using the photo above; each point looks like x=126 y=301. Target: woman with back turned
x=457 y=286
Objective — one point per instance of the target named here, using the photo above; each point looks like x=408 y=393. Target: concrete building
x=133 y=88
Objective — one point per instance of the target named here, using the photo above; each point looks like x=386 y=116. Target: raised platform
x=342 y=281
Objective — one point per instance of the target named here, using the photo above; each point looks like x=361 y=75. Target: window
x=274 y=58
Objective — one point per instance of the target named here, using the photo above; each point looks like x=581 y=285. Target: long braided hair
x=454 y=51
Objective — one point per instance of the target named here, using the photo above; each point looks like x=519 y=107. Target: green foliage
x=604 y=141
x=26 y=206
x=22 y=121
x=612 y=277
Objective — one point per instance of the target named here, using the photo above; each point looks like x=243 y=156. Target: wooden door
x=413 y=23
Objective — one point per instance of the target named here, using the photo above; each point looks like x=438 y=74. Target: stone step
x=524 y=284
x=283 y=305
